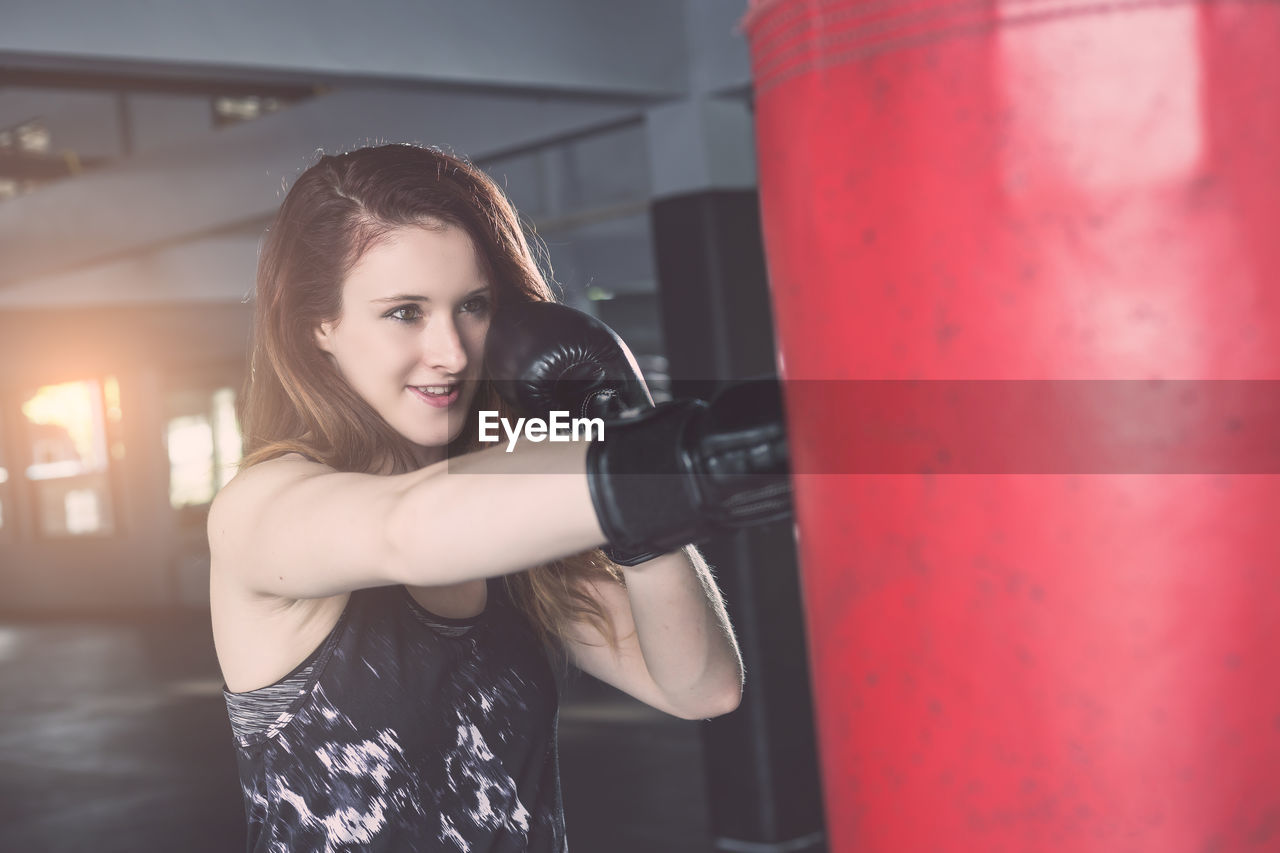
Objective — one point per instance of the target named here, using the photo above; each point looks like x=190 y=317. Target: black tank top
x=406 y=731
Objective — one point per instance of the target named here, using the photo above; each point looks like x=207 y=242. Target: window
x=70 y=428
x=204 y=445
x=6 y=506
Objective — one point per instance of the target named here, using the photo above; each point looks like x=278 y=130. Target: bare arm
x=685 y=633
x=677 y=648
x=296 y=529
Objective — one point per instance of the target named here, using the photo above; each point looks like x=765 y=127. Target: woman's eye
x=405 y=313
x=478 y=304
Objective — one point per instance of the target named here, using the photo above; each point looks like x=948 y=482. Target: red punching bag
x=1030 y=191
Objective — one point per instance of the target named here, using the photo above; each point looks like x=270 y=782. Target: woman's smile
x=439 y=396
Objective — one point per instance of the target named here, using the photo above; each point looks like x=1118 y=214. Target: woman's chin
x=430 y=452
x=435 y=447
x=435 y=440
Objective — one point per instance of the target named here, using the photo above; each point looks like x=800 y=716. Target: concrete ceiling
x=234 y=176
x=569 y=46
x=126 y=85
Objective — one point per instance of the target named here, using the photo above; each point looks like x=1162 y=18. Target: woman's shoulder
x=293 y=529
x=250 y=482
x=248 y=493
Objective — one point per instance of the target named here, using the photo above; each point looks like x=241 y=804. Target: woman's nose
x=442 y=346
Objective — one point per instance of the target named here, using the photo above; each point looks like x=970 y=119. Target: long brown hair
x=298 y=402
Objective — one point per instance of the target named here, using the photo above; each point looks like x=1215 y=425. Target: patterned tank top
x=406 y=731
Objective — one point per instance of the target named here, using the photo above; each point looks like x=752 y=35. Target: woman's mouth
x=440 y=396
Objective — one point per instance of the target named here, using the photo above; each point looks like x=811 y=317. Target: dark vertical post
x=761 y=767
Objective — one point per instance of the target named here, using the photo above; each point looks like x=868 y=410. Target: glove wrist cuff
x=640 y=484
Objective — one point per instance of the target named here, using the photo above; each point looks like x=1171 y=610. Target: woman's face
x=415 y=311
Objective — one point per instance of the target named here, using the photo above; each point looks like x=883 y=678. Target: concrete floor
x=114 y=738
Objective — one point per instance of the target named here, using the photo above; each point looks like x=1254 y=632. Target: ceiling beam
x=233 y=176
x=151 y=81
x=210 y=269
x=20 y=166
x=548 y=46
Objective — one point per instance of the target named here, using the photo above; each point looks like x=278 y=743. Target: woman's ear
x=324 y=337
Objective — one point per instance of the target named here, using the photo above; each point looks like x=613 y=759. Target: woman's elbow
x=726 y=703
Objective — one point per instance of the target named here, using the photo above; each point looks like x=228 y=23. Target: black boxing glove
x=545 y=357
x=688 y=470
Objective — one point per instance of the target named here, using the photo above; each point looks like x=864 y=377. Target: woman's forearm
x=685 y=634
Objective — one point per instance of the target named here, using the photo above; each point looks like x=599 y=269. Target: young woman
x=386 y=603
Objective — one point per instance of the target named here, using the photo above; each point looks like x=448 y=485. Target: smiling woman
x=375 y=290
x=387 y=597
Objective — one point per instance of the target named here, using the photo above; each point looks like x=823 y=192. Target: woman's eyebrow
x=413 y=297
